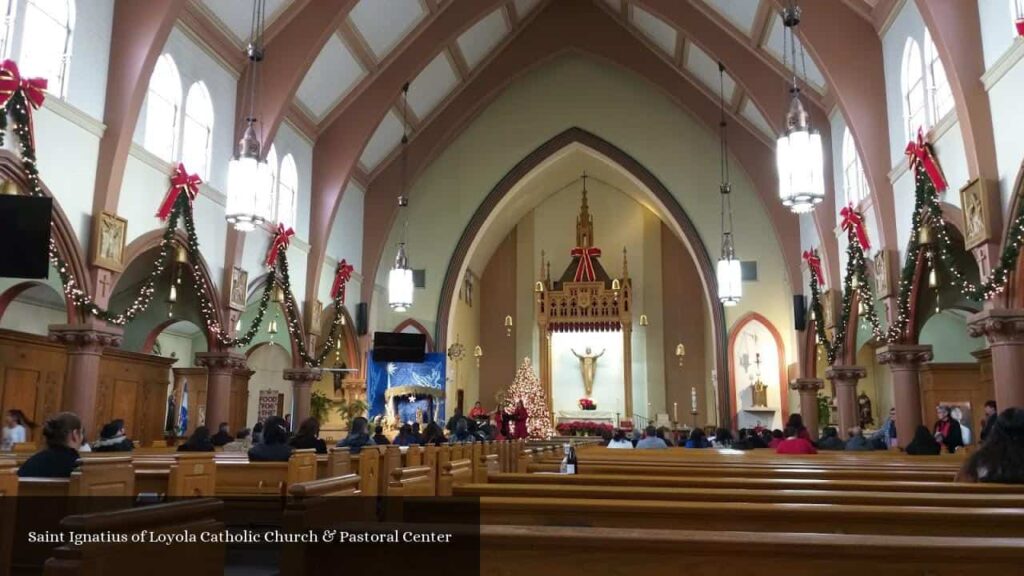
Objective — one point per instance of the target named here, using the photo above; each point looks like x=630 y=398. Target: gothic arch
x=734 y=332
x=415 y=325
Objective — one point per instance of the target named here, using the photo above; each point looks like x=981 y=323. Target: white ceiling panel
x=477 y=42
x=773 y=44
x=383 y=23
x=741 y=13
x=754 y=116
x=236 y=15
x=657 y=30
x=705 y=68
x=334 y=72
x=435 y=82
x=525 y=7
x=385 y=138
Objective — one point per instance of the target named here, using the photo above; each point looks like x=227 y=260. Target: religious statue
x=864 y=416
x=588 y=365
x=759 y=393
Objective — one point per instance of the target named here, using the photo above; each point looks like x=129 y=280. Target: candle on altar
x=693 y=398
x=675 y=411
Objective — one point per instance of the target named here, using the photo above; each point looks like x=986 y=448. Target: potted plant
x=587 y=404
x=824 y=410
x=350 y=409
x=319 y=405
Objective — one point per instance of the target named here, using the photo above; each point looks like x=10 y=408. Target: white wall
x=268 y=364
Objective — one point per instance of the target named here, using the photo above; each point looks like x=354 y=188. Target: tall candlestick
x=675 y=411
x=693 y=398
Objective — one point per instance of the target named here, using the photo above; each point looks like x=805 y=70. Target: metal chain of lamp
x=798 y=153
x=400 y=278
x=729 y=272
x=250 y=180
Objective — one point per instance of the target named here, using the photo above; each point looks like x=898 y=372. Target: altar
x=596 y=416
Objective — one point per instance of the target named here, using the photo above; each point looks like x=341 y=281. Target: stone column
x=219 y=370
x=1004 y=330
x=904 y=361
x=845 y=378
x=808 y=389
x=85 y=344
x=302 y=391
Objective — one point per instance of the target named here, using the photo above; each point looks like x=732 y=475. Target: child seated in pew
x=1000 y=459
x=113 y=438
x=63 y=434
x=794 y=444
x=274 y=447
x=358 y=436
x=16 y=426
x=308 y=436
x=241 y=442
x=923 y=444
x=199 y=441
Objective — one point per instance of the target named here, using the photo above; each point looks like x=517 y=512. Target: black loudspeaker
x=25 y=236
x=362 y=319
x=799 y=313
x=399 y=347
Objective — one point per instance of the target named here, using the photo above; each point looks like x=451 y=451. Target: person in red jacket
x=521 y=415
x=794 y=444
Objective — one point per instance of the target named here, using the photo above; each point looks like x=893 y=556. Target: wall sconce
x=538 y=287
x=616 y=285
x=643 y=320
x=478 y=353
x=680 y=353
x=172 y=295
x=508 y=325
x=272 y=327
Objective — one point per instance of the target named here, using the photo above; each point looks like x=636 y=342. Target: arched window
x=163 y=100
x=855 y=184
x=287 y=190
x=912 y=83
x=266 y=210
x=940 y=96
x=196 y=141
x=46 y=41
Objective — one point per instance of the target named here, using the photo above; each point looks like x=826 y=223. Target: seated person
x=433 y=435
x=199 y=441
x=777 y=438
x=478 y=412
x=620 y=441
x=358 y=437
x=857 y=441
x=416 y=433
x=222 y=436
x=241 y=442
x=830 y=439
x=63 y=434
x=274 y=447
x=308 y=436
x=697 y=439
x=378 y=436
x=923 y=444
x=113 y=439
x=663 y=433
x=462 y=434
x=794 y=443
x=1000 y=458
x=651 y=440
x=405 y=436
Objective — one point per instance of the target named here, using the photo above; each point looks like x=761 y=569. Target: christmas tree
x=526 y=387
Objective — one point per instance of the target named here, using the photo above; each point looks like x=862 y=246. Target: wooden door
x=21 y=391
x=124 y=405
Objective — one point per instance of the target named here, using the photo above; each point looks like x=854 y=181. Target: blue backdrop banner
x=411 y=387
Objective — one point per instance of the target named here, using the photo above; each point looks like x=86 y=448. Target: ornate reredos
x=584 y=302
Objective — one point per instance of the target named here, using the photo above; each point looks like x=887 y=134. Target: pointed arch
x=734 y=332
x=415 y=325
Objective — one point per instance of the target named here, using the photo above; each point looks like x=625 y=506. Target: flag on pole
x=183 y=414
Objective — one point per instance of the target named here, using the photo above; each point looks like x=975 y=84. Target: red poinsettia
x=587 y=404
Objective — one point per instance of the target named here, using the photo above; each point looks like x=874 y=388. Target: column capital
x=904 y=354
x=220 y=361
x=89 y=338
x=842 y=374
x=998 y=326
x=303 y=375
x=807 y=385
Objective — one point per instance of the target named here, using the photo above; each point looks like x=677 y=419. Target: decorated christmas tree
x=526 y=387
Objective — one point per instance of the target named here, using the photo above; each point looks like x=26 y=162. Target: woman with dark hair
x=723 y=438
x=619 y=440
x=257 y=433
x=796 y=422
x=1000 y=459
x=113 y=438
x=64 y=437
x=777 y=438
x=923 y=444
x=433 y=435
x=358 y=436
x=947 y=430
x=199 y=441
x=379 y=438
x=405 y=436
x=308 y=436
x=274 y=447
x=697 y=439
x=16 y=427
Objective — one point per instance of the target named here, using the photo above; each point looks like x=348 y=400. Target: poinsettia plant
x=587 y=404
x=583 y=428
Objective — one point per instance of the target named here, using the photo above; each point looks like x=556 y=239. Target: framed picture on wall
x=108 y=233
x=883 y=287
x=314 y=310
x=239 y=288
x=974 y=200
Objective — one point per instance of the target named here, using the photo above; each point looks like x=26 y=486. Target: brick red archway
x=781 y=349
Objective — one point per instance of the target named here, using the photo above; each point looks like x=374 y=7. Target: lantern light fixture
x=729 y=273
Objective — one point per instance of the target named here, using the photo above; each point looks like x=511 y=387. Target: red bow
x=32 y=88
x=281 y=240
x=920 y=156
x=181 y=181
x=853 y=220
x=341 y=278
x=585 y=269
x=814 y=263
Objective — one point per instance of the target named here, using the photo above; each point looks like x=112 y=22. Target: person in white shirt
x=620 y=440
x=16 y=427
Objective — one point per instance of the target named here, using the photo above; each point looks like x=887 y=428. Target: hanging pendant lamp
x=728 y=271
x=400 y=277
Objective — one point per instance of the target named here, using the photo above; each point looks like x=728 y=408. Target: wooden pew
x=390 y=459
x=412 y=481
x=726 y=482
x=244 y=478
x=413 y=456
x=769 y=496
x=607 y=552
x=455 y=473
x=319 y=504
x=156 y=559
x=8 y=512
x=367 y=465
x=824 y=473
x=186 y=474
x=338 y=462
x=838 y=519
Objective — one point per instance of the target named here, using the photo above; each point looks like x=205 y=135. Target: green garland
x=294 y=324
